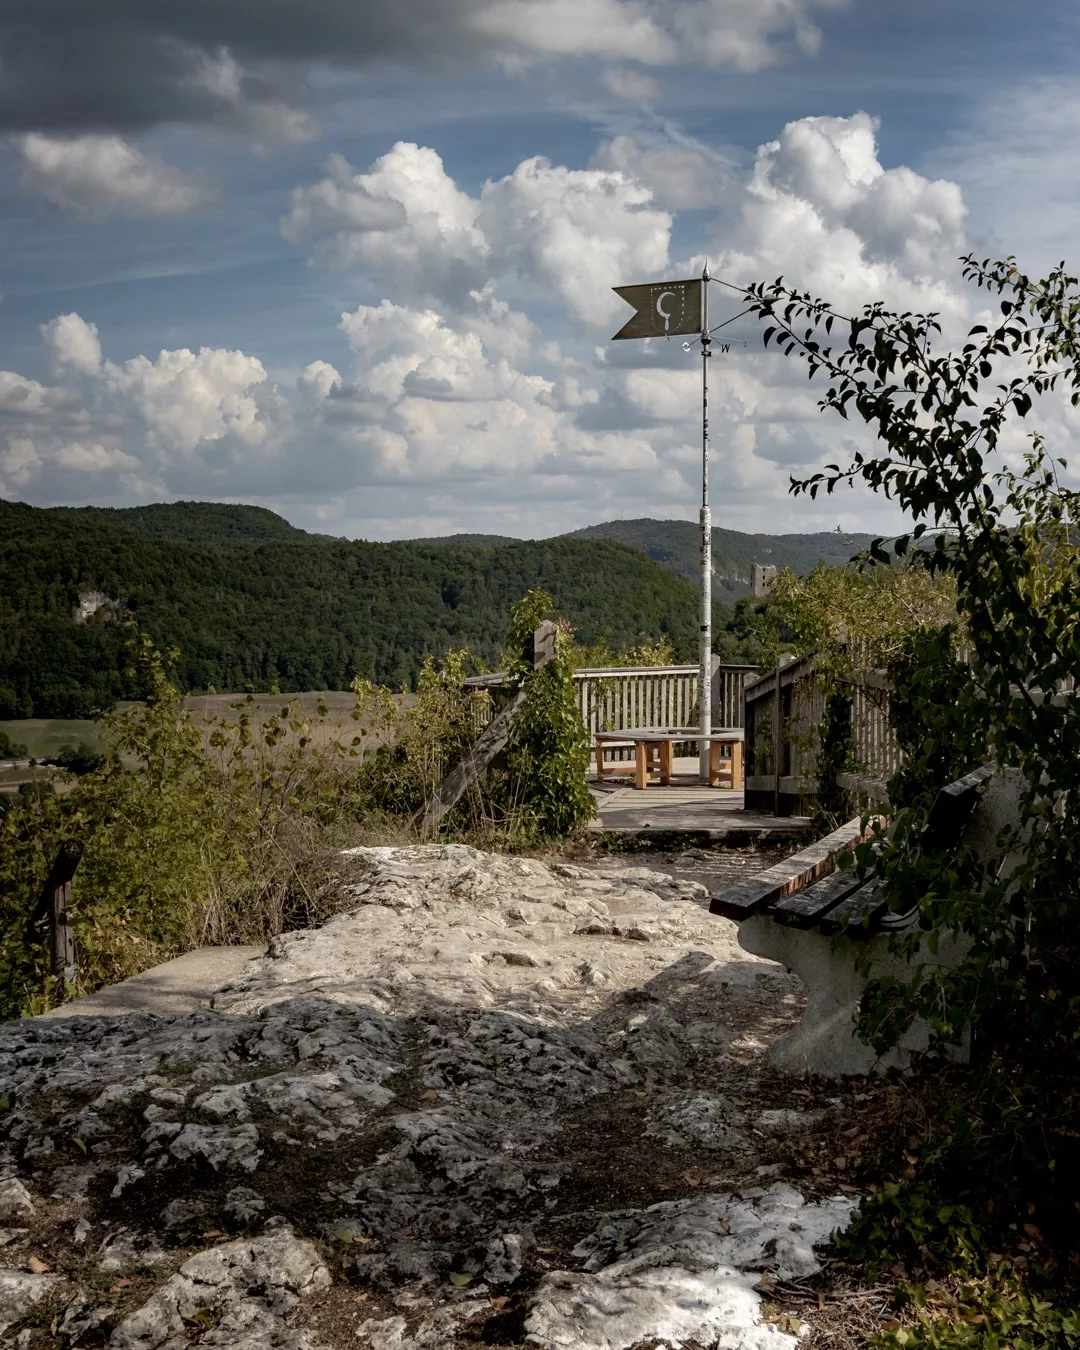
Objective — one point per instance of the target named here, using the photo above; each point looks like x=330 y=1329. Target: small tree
x=1003 y=528
x=548 y=755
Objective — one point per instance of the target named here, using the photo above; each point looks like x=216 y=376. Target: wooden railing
x=622 y=698
x=618 y=699
x=783 y=716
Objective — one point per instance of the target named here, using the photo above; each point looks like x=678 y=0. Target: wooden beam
x=873 y=788
x=953 y=807
x=54 y=904
x=804 y=908
x=746 y=897
x=859 y=910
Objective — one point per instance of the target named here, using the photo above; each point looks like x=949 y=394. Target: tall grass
x=229 y=829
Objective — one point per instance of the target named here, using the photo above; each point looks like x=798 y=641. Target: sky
x=353 y=261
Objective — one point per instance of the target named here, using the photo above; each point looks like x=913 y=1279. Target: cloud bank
x=97 y=176
x=77 y=66
x=454 y=408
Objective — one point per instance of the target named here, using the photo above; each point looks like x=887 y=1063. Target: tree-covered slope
x=675 y=543
x=225 y=524
x=470 y=540
x=303 y=612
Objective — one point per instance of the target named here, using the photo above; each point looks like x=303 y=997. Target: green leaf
x=461 y=1278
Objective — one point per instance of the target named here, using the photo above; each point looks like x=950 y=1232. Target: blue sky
x=354 y=263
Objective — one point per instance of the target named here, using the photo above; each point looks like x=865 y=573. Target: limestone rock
x=243 y=1204
x=15 y=1202
x=418 y=1061
x=705 y=1119
x=244 y=1293
x=219 y=1146
x=19 y=1292
x=124 y=1250
x=684 y=1270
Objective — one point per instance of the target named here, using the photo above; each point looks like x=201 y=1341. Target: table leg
x=737 y=765
x=641 y=765
x=714 y=763
x=599 y=761
x=665 y=762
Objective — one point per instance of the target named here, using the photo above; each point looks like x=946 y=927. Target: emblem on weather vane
x=664 y=309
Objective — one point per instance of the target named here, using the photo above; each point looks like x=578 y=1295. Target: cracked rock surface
x=495 y=1098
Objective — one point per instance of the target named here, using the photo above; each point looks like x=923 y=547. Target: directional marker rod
x=705 y=636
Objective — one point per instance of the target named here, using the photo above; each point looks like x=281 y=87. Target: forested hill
x=299 y=610
x=225 y=524
x=675 y=543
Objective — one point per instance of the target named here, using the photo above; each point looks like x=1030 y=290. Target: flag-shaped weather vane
x=666 y=309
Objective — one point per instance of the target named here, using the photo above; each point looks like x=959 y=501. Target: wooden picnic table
x=652 y=748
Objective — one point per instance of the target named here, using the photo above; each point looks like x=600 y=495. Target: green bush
x=998 y=1187
x=227 y=830
x=10 y=749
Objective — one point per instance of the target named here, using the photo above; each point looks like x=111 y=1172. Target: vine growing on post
x=1001 y=522
x=857 y=621
x=548 y=755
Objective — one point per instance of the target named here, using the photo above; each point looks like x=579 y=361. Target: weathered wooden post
x=488 y=744
x=54 y=903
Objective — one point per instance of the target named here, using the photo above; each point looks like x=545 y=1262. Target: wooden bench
x=794 y=912
x=653 y=748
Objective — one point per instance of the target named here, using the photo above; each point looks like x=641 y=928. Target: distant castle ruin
x=761 y=576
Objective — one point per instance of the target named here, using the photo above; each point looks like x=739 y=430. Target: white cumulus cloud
x=574 y=232
x=681 y=174
x=632 y=84
x=73 y=344
x=455 y=410
x=185 y=398
x=820 y=208
x=744 y=35
x=405 y=218
x=94 y=175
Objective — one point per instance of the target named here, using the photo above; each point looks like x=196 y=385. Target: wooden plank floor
x=686 y=806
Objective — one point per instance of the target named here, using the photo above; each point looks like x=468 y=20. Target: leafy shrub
x=187 y=840
x=10 y=749
x=1002 y=1175
x=77 y=759
x=228 y=830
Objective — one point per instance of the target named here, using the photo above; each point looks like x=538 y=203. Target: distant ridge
x=251 y=602
x=226 y=524
x=674 y=543
x=467 y=540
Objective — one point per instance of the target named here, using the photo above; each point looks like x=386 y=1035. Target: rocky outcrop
x=427 y=1114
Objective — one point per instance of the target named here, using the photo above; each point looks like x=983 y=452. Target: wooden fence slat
x=54 y=904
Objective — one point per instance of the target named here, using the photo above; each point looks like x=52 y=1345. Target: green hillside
x=300 y=611
x=224 y=524
x=470 y=540
x=675 y=543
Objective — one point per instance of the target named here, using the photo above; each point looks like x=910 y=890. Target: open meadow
x=45 y=738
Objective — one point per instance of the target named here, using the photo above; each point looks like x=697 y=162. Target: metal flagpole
x=705 y=638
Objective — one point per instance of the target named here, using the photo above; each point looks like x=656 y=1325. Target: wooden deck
x=686 y=807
